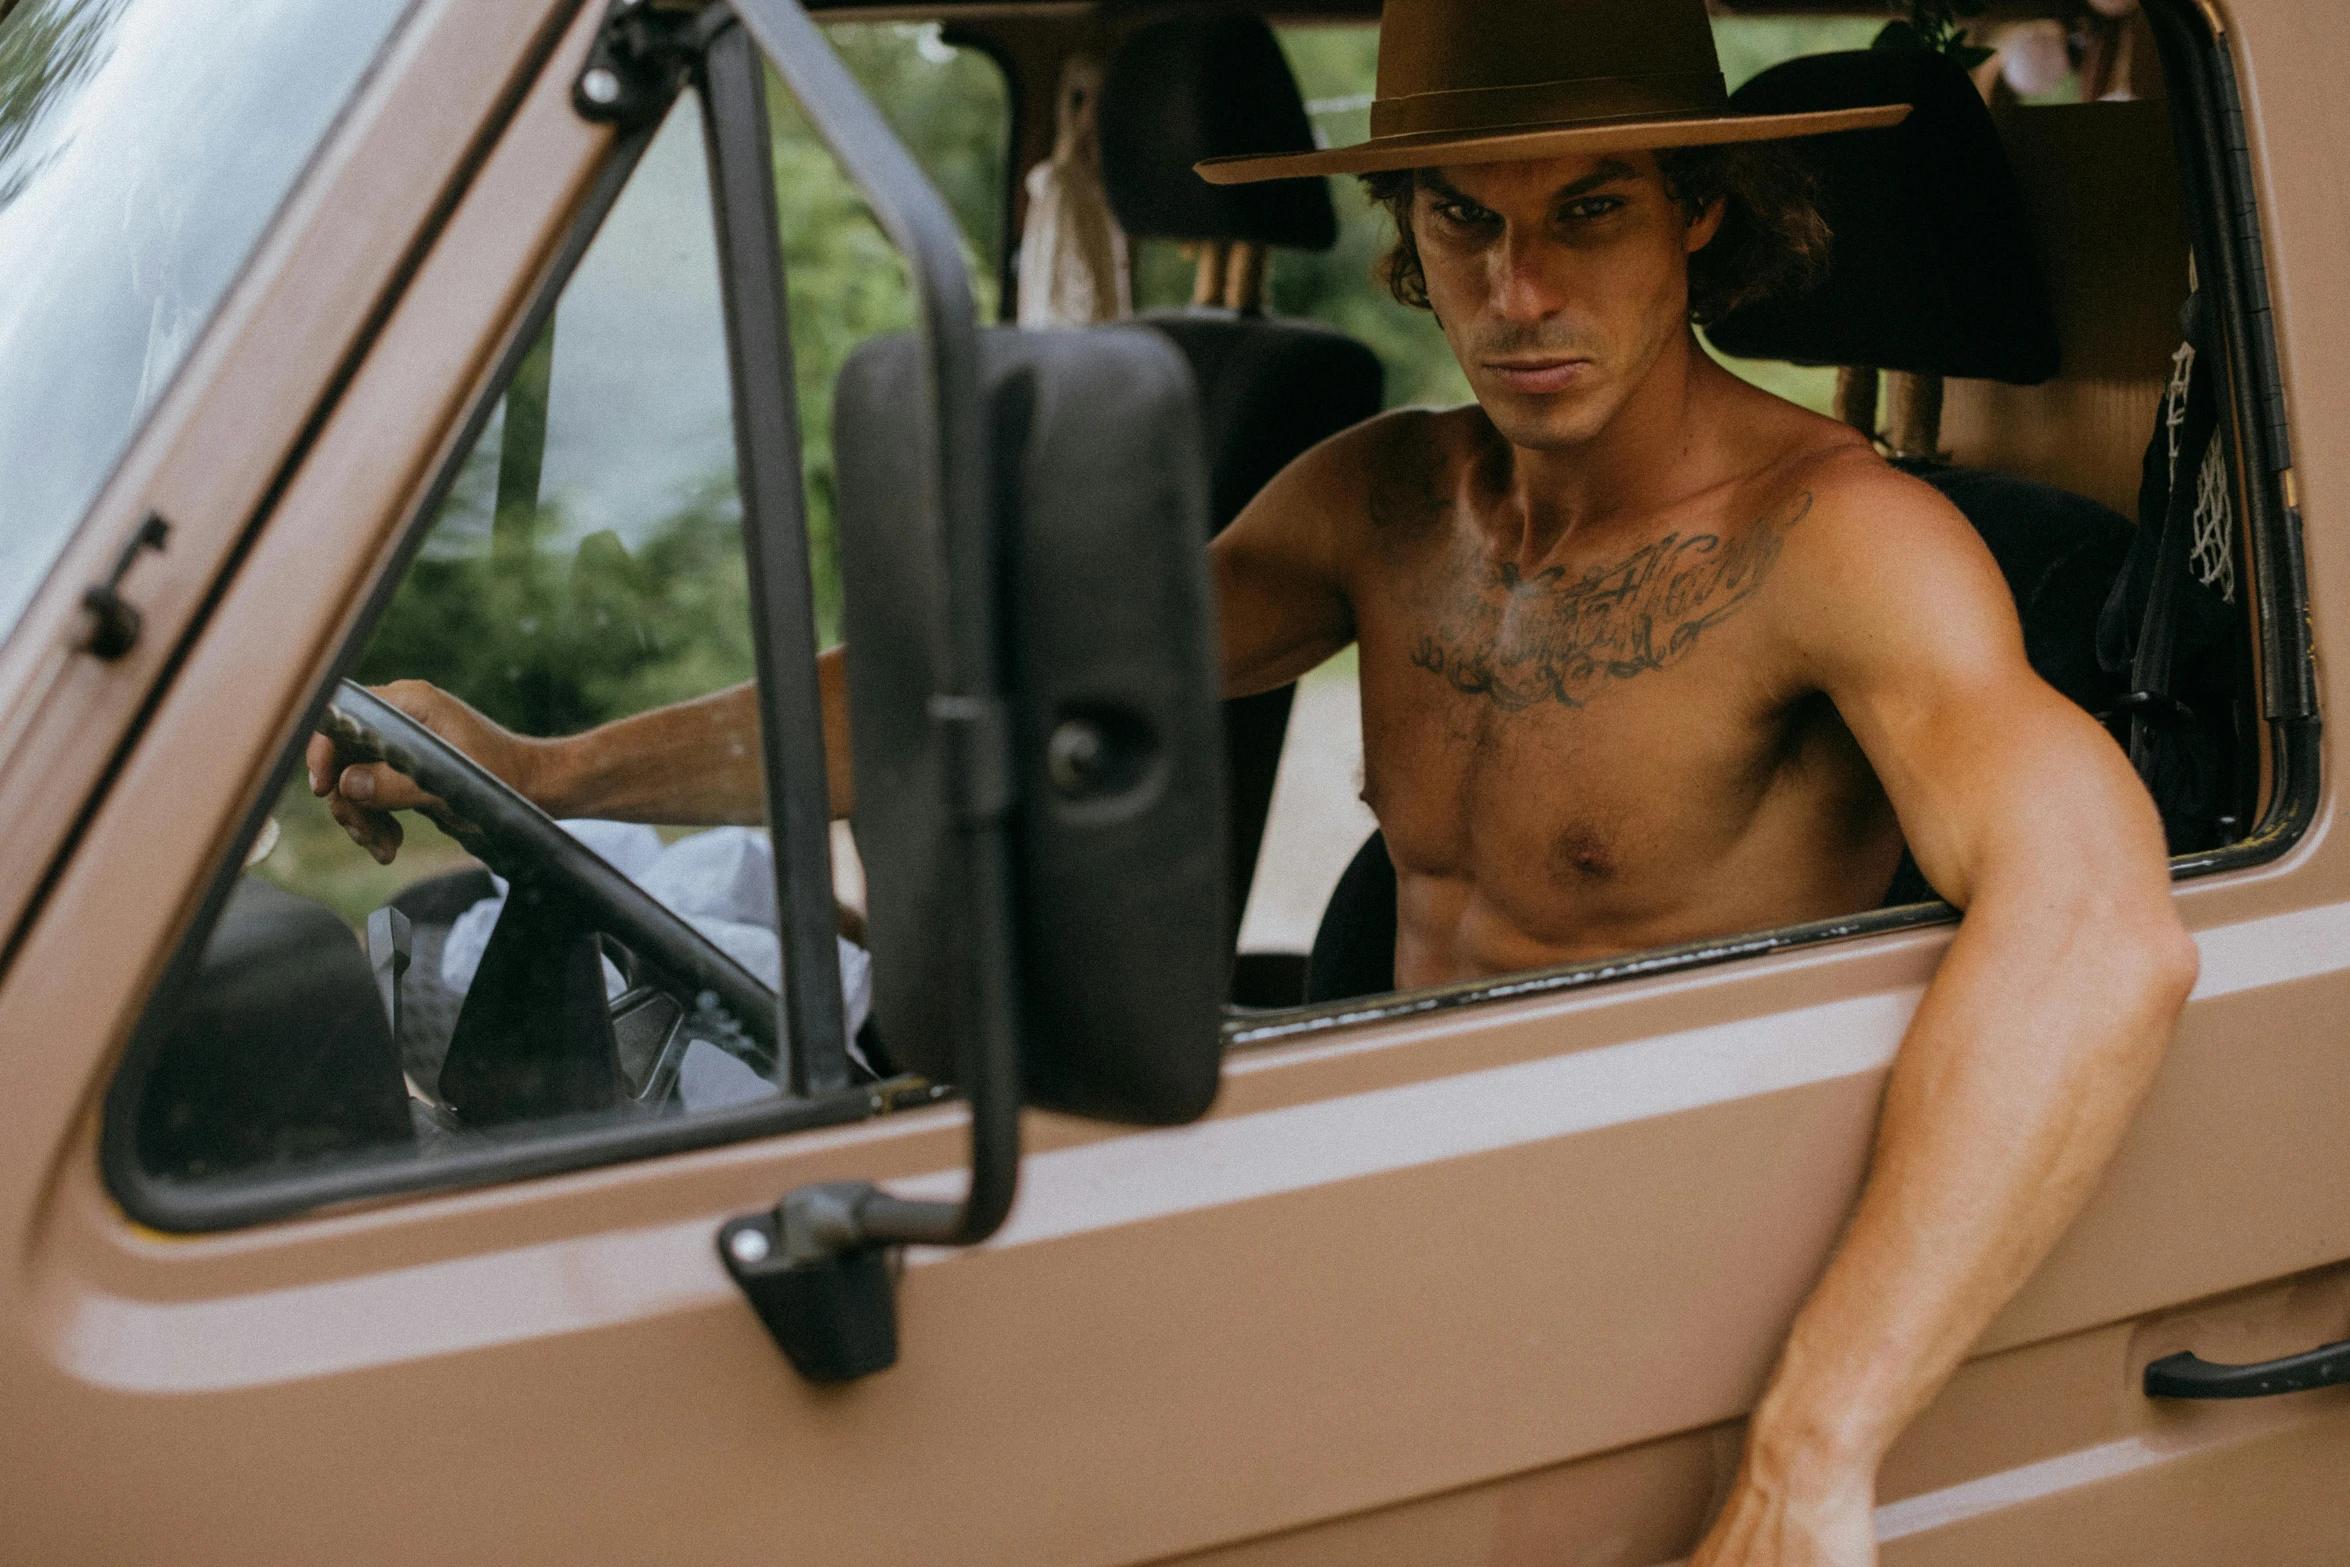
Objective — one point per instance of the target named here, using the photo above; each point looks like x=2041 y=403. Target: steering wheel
x=522 y=843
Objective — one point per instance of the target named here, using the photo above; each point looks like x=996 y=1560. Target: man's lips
x=1537 y=375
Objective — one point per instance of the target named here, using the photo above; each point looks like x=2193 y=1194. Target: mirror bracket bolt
x=639 y=60
x=824 y=1291
x=1076 y=757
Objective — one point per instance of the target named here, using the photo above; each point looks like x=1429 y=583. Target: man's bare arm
x=692 y=763
x=2041 y=1031
x=1280 y=568
x=1282 y=603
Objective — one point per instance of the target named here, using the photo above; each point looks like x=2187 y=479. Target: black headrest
x=1932 y=268
x=1206 y=87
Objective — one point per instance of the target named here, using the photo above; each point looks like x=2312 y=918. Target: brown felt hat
x=1491 y=81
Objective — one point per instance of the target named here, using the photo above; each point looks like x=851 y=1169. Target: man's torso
x=1601 y=748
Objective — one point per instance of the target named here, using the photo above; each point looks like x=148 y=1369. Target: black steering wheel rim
x=512 y=836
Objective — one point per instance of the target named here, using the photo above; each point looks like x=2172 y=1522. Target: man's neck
x=1650 y=455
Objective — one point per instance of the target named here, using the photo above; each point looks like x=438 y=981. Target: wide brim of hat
x=1432 y=149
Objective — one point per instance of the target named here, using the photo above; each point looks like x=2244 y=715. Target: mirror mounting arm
x=817 y=1266
x=640 y=60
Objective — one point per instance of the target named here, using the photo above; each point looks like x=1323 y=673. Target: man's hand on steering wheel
x=363 y=795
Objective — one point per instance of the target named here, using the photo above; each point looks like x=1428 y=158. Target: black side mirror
x=1116 y=781
x=1032 y=691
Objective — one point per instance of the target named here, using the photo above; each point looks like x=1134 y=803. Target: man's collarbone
x=1558 y=636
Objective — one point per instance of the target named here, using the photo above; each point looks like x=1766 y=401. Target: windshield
x=144 y=146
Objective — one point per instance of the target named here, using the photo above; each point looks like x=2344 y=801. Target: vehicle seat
x=1934 y=271
x=2097 y=304
x=1174 y=93
x=274 y=1051
x=1938 y=270
x=1933 y=267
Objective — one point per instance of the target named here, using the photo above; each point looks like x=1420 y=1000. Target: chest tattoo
x=1524 y=641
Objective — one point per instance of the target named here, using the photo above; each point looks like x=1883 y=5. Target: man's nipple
x=1581 y=855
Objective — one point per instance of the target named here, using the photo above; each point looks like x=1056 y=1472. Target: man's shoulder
x=1853 y=500
x=1395 y=464
x=1398 y=443
x=1791 y=452
x=1873 y=558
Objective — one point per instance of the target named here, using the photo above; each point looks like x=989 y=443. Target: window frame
x=2221 y=197
x=769 y=477
x=731 y=82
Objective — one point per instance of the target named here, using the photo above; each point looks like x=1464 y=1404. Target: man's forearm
x=2032 y=1048
x=692 y=763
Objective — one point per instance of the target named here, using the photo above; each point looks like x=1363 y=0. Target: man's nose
x=1529 y=284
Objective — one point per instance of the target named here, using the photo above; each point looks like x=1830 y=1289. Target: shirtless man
x=1649 y=655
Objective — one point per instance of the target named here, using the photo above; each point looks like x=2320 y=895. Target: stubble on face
x=1608 y=289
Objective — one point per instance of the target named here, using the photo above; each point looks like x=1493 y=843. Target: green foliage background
x=43 y=44
x=551 y=637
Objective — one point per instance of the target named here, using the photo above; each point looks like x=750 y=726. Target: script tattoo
x=1546 y=639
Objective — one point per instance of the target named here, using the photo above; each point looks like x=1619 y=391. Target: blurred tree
x=551 y=645
x=550 y=636
x=43 y=43
x=847 y=282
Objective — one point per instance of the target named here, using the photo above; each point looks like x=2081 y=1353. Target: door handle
x=2186 y=1375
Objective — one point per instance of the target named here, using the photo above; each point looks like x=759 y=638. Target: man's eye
x=1592 y=206
x=1462 y=213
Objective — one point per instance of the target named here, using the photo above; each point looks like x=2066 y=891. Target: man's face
x=1559 y=283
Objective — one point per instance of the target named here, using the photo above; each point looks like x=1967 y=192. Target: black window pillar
x=775 y=549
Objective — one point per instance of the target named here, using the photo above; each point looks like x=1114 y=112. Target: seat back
x=1268 y=389
x=1932 y=265
x=1176 y=92
x=1936 y=270
x=274 y=1051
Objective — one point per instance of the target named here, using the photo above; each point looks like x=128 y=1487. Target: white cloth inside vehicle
x=1073 y=264
x=722 y=883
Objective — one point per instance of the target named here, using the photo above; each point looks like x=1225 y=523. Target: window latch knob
x=114 y=620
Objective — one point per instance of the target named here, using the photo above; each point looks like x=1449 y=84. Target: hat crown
x=1502 y=47
x=1490 y=81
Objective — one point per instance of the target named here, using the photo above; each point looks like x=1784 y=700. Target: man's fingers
x=363 y=795
x=381 y=787
x=375 y=831
x=365 y=827
x=318 y=758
